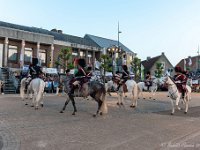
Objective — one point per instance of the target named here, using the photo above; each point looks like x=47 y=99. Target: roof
x=150 y=62
x=57 y=36
x=106 y=43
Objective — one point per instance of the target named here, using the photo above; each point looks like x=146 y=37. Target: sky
x=149 y=27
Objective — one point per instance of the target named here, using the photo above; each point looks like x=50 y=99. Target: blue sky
x=149 y=27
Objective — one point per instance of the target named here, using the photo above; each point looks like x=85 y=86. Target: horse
x=36 y=87
x=174 y=94
x=95 y=89
x=153 y=88
x=129 y=88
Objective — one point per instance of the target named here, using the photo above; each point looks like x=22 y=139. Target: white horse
x=131 y=91
x=23 y=88
x=36 y=87
x=174 y=94
x=153 y=88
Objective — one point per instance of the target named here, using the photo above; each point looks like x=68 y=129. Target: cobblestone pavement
x=147 y=127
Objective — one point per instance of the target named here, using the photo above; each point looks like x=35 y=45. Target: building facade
x=19 y=44
x=150 y=65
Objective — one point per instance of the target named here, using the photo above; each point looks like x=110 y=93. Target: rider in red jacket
x=180 y=80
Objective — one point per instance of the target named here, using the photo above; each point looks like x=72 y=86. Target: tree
x=106 y=64
x=159 y=69
x=64 y=58
x=136 y=65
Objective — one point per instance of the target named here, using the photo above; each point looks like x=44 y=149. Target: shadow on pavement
x=192 y=112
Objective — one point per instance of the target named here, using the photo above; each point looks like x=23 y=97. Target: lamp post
x=198 y=59
x=113 y=49
x=119 y=49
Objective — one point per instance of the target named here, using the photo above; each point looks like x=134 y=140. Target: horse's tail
x=135 y=91
x=104 y=107
x=22 y=88
x=40 y=90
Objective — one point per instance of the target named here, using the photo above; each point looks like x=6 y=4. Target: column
x=51 y=57
x=79 y=50
x=86 y=56
x=38 y=49
x=22 y=54
x=5 y=64
x=93 y=58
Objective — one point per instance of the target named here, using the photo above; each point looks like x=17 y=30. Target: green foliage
x=159 y=70
x=64 y=57
x=106 y=64
x=136 y=64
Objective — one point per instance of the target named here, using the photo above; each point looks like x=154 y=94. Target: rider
x=180 y=80
x=34 y=70
x=125 y=76
x=79 y=78
x=148 y=81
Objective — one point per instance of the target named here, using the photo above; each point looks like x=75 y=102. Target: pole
x=118 y=47
x=198 y=58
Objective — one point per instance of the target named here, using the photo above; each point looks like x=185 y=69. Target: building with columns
x=19 y=44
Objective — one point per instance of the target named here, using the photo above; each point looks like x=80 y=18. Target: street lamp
x=113 y=49
x=119 y=49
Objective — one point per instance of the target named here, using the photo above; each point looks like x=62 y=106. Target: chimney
x=162 y=53
x=60 y=31
x=148 y=58
x=54 y=30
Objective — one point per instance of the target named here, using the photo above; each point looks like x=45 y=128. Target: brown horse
x=94 y=89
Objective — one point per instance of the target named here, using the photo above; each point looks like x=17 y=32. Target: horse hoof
x=26 y=104
x=117 y=103
x=149 y=97
x=32 y=106
x=143 y=98
x=36 y=108
x=42 y=105
x=61 y=111
x=94 y=115
x=154 y=99
x=73 y=113
x=101 y=113
x=132 y=106
x=185 y=112
x=121 y=104
x=172 y=113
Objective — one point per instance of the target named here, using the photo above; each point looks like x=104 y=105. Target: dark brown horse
x=95 y=89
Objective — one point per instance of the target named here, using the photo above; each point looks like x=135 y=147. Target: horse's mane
x=172 y=79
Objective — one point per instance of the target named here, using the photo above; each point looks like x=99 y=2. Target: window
x=12 y=53
x=163 y=65
x=28 y=52
x=74 y=52
x=42 y=56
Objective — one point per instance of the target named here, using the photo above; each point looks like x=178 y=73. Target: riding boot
x=183 y=94
x=71 y=92
x=118 y=88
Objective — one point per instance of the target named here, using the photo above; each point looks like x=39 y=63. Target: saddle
x=124 y=88
x=81 y=91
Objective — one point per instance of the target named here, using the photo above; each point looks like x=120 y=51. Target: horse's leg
x=177 y=102
x=74 y=105
x=173 y=110
x=99 y=106
x=64 y=107
x=134 y=96
x=186 y=98
x=37 y=99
